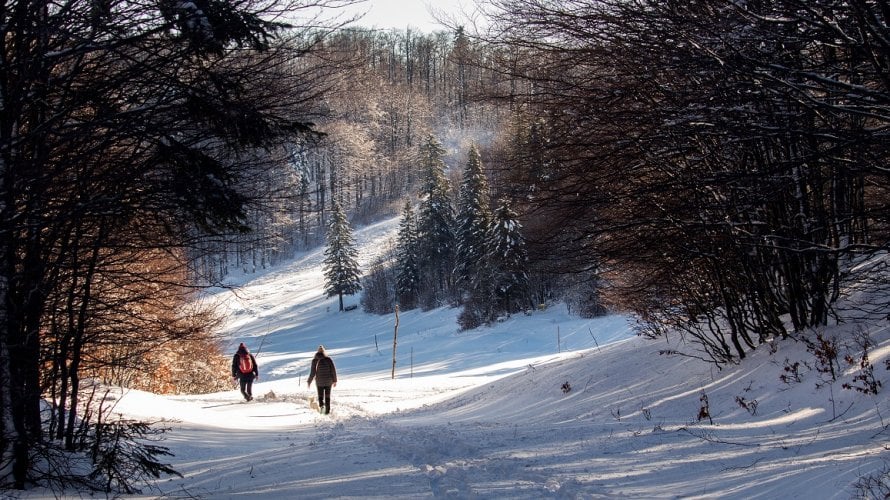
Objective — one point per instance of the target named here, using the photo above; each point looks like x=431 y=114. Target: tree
x=435 y=226
x=341 y=269
x=509 y=259
x=461 y=56
x=473 y=220
x=473 y=271
x=408 y=260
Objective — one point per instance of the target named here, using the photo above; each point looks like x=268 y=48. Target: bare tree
x=722 y=162
x=125 y=128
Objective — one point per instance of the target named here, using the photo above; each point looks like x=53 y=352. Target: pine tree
x=473 y=272
x=435 y=226
x=408 y=273
x=341 y=270
x=473 y=219
x=509 y=259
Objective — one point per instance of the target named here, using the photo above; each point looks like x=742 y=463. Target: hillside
x=539 y=406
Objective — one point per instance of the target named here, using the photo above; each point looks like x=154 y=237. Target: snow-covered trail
x=626 y=428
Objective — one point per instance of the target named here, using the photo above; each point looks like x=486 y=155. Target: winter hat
x=321 y=349
x=242 y=348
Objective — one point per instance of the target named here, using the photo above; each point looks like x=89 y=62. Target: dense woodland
x=711 y=166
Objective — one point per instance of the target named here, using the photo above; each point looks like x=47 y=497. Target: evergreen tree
x=473 y=220
x=473 y=272
x=435 y=226
x=341 y=270
x=509 y=259
x=408 y=274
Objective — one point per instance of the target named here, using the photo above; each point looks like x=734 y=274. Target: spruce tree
x=473 y=272
x=408 y=263
x=509 y=258
x=341 y=270
x=473 y=219
x=435 y=225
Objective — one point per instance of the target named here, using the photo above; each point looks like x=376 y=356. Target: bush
x=124 y=454
x=99 y=454
x=470 y=318
x=875 y=485
x=379 y=294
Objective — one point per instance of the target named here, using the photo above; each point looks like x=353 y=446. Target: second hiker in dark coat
x=325 y=374
x=244 y=369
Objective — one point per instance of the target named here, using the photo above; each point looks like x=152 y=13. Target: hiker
x=244 y=369
x=325 y=374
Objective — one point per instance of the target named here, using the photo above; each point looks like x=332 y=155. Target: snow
x=545 y=405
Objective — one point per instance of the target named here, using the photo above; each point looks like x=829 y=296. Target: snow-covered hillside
x=539 y=406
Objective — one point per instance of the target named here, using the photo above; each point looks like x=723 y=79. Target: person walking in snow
x=324 y=372
x=245 y=370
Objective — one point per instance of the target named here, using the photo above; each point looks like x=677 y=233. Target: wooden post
x=395 y=337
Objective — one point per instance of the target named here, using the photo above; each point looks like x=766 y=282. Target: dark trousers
x=324 y=398
x=247 y=386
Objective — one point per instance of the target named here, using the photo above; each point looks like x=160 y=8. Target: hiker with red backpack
x=245 y=370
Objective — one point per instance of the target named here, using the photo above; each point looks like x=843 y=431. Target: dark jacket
x=236 y=369
x=322 y=370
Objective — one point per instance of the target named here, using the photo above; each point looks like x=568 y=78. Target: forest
x=714 y=167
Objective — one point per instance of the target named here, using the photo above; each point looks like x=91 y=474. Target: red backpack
x=244 y=363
